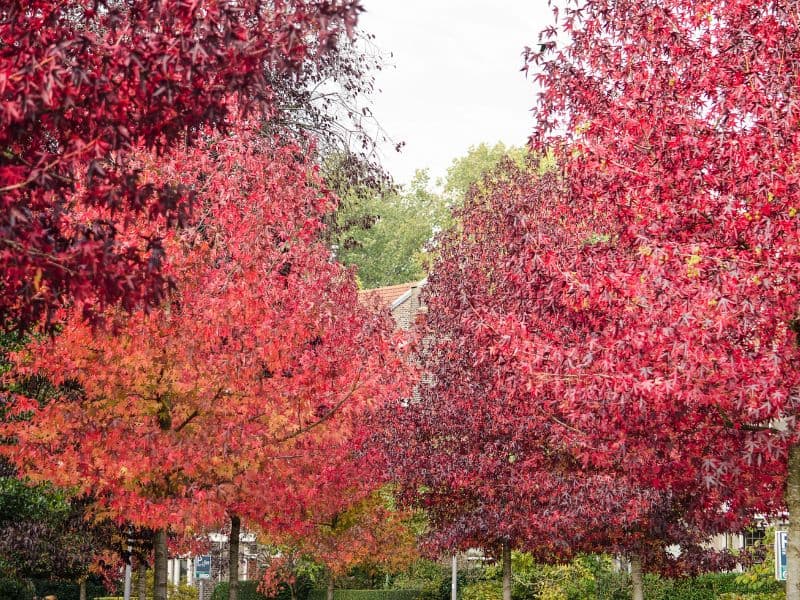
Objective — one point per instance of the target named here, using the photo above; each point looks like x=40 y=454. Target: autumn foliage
x=676 y=124
x=228 y=397
x=634 y=311
x=503 y=447
x=84 y=87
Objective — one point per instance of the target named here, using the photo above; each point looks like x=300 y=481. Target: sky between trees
x=453 y=79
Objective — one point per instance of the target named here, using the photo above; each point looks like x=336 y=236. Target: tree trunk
x=160 y=565
x=329 y=594
x=637 y=581
x=82 y=589
x=793 y=537
x=506 y=570
x=142 y=585
x=233 y=558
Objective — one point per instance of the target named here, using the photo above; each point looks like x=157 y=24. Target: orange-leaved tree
x=216 y=402
x=349 y=518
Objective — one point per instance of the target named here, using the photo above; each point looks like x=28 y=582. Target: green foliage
x=487 y=589
x=68 y=590
x=16 y=589
x=469 y=169
x=12 y=589
x=711 y=586
x=424 y=575
x=388 y=235
x=585 y=577
x=22 y=502
x=392 y=249
x=367 y=595
x=183 y=592
x=760 y=577
x=596 y=577
x=248 y=590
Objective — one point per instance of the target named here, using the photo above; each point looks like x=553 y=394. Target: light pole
x=454 y=578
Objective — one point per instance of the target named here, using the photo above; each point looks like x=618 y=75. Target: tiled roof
x=386 y=295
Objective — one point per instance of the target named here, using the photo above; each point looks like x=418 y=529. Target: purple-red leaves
x=85 y=85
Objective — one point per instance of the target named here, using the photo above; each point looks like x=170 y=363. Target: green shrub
x=590 y=576
x=596 y=577
x=712 y=586
x=66 y=590
x=12 y=589
x=488 y=589
x=766 y=596
x=426 y=576
x=367 y=595
x=248 y=590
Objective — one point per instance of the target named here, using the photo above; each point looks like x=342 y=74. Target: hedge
x=12 y=589
x=367 y=594
x=703 y=587
x=248 y=590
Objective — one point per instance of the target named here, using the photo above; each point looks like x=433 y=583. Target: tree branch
x=300 y=431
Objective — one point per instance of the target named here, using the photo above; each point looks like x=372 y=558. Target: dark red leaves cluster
x=634 y=311
x=82 y=86
x=528 y=433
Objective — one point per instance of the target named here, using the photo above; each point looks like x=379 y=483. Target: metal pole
x=126 y=590
x=454 y=578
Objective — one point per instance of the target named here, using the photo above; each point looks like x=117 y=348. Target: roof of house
x=387 y=295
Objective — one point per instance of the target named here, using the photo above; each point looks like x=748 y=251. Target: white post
x=190 y=570
x=244 y=570
x=454 y=578
x=170 y=569
x=176 y=572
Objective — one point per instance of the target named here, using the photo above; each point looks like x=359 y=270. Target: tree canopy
x=87 y=85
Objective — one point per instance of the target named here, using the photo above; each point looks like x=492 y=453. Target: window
x=754 y=536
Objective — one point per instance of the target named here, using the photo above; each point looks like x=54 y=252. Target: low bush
x=367 y=595
x=66 y=590
x=483 y=590
x=248 y=590
x=11 y=589
x=597 y=578
x=14 y=589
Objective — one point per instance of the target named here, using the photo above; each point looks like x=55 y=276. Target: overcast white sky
x=454 y=78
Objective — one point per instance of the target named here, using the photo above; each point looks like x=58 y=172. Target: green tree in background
x=389 y=236
x=469 y=169
x=392 y=249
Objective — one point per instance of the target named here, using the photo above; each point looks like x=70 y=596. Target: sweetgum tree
x=676 y=125
x=516 y=460
x=83 y=86
x=364 y=530
x=218 y=402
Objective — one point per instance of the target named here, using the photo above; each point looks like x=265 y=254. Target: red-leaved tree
x=83 y=86
x=219 y=402
x=528 y=435
x=675 y=127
